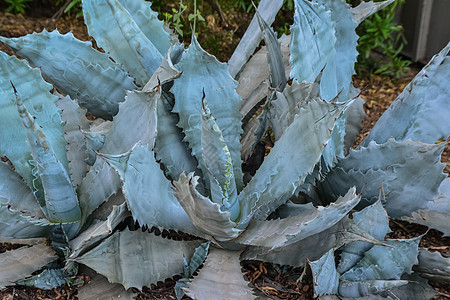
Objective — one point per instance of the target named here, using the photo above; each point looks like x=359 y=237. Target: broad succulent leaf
x=75 y=121
x=95 y=139
x=148 y=193
x=204 y=214
x=434 y=266
x=204 y=75
x=99 y=287
x=275 y=57
x=220 y=278
x=170 y=149
x=313 y=46
x=218 y=162
x=46 y=280
x=14 y=224
x=268 y=9
x=388 y=167
x=20 y=263
x=382 y=263
x=197 y=259
x=144 y=258
x=76 y=69
x=253 y=132
x=437 y=212
x=312 y=247
x=59 y=194
x=367 y=8
x=355 y=116
x=372 y=219
x=280 y=174
x=133 y=36
x=98 y=231
x=41 y=104
x=418 y=287
x=369 y=288
x=417 y=112
x=325 y=275
x=15 y=192
x=282 y=232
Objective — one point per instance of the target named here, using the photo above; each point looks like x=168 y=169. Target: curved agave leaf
x=95 y=139
x=417 y=289
x=268 y=9
x=131 y=36
x=220 y=278
x=170 y=149
x=15 y=192
x=283 y=232
x=437 y=213
x=46 y=280
x=381 y=263
x=357 y=289
x=76 y=69
x=35 y=94
x=98 y=287
x=148 y=192
x=144 y=258
x=313 y=46
x=13 y=224
x=325 y=275
x=388 y=167
x=355 y=116
x=77 y=152
x=280 y=174
x=60 y=198
x=204 y=75
x=218 y=162
x=20 y=263
x=372 y=219
x=367 y=8
x=253 y=132
x=433 y=265
x=312 y=247
x=98 y=231
x=204 y=214
x=421 y=111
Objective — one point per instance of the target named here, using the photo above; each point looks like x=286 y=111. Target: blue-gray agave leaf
x=46 y=280
x=22 y=262
x=325 y=275
x=282 y=232
x=41 y=104
x=370 y=288
x=197 y=259
x=15 y=193
x=145 y=258
x=76 y=69
x=280 y=174
x=220 y=278
x=268 y=9
x=388 y=167
x=355 y=116
x=383 y=263
x=275 y=58
x=218 y=162
x=59 y=194
x=14 y=224
x=437 y=213
x=434 y=266
x=367 y=8
x=313 y=46
x=75 y=121
x=148 y=193
x=372 y=219
x=418 y=112
x=202 y=73
x=204 y=214
x=130 y=32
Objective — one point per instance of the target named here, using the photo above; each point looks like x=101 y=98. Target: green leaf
x=19 y=263
x=76 y=69
x=145 y=258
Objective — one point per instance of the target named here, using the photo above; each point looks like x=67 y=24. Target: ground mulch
x=379 y=93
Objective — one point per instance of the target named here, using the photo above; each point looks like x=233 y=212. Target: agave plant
x=176 y=149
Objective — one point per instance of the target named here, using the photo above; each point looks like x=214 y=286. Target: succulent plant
x=182 y=126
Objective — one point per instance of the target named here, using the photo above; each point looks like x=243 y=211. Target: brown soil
x=379 y=93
